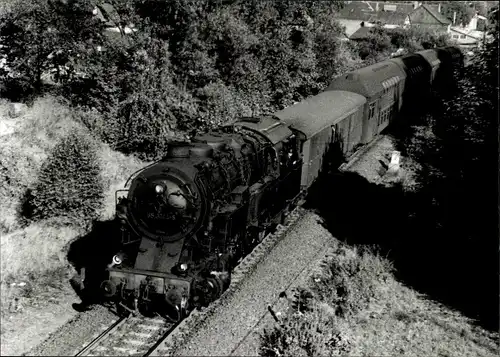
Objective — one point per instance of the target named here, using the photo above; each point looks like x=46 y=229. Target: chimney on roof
x=415 y=4
x=454 y=17
x=439 y=7
x=376 y=6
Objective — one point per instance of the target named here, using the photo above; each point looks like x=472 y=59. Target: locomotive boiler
x=187 y=219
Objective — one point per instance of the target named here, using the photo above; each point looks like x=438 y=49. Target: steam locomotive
x=186 y=220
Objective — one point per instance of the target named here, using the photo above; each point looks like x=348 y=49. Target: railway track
x=129 y=336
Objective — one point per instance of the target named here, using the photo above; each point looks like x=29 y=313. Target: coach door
x=370 y=124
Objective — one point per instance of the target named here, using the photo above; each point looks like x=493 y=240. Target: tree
x=461 y=9
x=43 y=36
x=69 y=183
x=460 y=173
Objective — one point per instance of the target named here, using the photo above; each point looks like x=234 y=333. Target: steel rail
x=103 y=336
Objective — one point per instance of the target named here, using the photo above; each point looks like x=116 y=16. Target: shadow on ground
x=439 y=262
x=93 y=251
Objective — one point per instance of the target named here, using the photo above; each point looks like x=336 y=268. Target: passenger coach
x=329 y=121
x=382 y=84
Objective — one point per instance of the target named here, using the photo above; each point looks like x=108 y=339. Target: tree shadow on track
x=93 y=252
x=434 y=260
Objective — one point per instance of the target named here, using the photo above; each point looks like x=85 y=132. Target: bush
x=317 y=316
x=137 y=106
x=22 y=152
x=220 y=104
x=69 y=184
x=312 y=334
x=349 y=279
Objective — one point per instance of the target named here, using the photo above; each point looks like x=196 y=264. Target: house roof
x=439 y=18
x=107 y=13
x=356 y=10
x=361 y=34
x=320 y=111
x=389 y=17
x=400 y=7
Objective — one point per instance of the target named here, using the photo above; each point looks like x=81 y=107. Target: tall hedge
x=69 y=184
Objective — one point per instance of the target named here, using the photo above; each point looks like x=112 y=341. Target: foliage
x=314 y=323
x=417 y=39
x=348 y=280
x=333 y=56
x=377 y=45
x=381 y=42
x=132 y=102
x=314 y=333
x=69 y=184
x=464 y=11
x=41 y=37
x=458 y=159
x=192 y=64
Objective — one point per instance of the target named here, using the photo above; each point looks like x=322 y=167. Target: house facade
x=465 y=38
x=469 y=36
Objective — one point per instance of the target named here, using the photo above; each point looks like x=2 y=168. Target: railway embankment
x=339 y=299
x=363 y=299
x=36 y=296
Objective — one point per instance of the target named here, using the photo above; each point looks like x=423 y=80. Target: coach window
x=371 y=112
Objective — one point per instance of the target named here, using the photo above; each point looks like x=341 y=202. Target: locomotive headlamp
x=117 y=260
x=159 y=189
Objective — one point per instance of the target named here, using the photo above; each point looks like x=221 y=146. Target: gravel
x=372 y=162
x=72 y=336
x=233 y=328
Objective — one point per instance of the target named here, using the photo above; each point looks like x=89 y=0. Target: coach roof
x=368 y=81
x=325 y=109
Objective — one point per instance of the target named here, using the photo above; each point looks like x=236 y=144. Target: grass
x=359 y=308
x=33 y=254
x=374 y=313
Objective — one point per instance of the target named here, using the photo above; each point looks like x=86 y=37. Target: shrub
x=33 y=136
x=69 y=184
x=137 y=106
x=219 y=104
x=349 y=279
x=312 y=334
